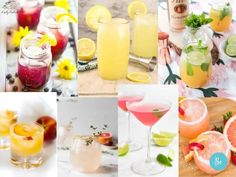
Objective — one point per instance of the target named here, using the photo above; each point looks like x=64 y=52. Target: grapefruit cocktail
x=148 y=113
x=123 y=99
x=193 y=117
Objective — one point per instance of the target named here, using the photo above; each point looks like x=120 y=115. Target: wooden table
x=216 y=107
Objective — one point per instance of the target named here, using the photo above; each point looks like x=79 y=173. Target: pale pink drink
x=213 y=142
x=148 y=113
x=193 y=117
x=123 y=99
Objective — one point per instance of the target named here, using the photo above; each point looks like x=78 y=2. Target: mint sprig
x=226 y=11
x=196 y=21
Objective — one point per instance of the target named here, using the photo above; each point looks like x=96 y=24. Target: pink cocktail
x=193 y=117
x=148 y=113
x=34 y=62
x=123 y=99
x=60 y=30
x=28 y=12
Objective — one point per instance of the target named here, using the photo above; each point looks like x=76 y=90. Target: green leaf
x=188 y=49
x=189 y=69
x=164 y=160
x=196 y=21
x=205 y=67
x=226 y=11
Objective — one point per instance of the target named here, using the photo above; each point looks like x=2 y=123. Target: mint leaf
x=189 y=69
x=226 y=11
x=188 y=49
x=205 y=66
x=162 y=159
x=196 y=21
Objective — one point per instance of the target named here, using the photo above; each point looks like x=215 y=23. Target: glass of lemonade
x=221 y=13
x=85 y=154
x=144 y=39
x=195 y=64
x=7 y=118
x=193 y=117
x=26 y=144
x=113 y=44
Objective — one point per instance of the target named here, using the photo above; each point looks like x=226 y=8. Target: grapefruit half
x=230 y=133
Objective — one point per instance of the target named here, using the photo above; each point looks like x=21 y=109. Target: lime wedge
x=168 y=134
x=232 y=39
x=196 y=57
x=164 y=160
x=230 y=50
x=162 y=141
x=123 y=149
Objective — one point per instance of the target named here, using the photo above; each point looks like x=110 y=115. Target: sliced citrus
x=24 y=130
x=162 y=141
x=141 y=77
x=164 y=134
x=136 y=7
x=123 y=149
x=66 y=17
x=230 y=133
x=232 y=39
x=48 y=38
x=86 y=49
x=96 y=13
x=196 y=57
x=230 y=50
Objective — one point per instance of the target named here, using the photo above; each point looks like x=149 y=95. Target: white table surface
x=138 y=131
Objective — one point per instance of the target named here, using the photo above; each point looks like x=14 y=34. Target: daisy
x=66 y=68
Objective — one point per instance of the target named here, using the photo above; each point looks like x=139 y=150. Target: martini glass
x=148 y=112
x=130 y=97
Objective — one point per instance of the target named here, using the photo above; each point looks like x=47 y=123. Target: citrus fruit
x=86 y=49
x=105 y=138
x=162 y=141
x=66 y=17
x=96 y=13
x=196 y=57
x=230 y=50
x=48 y=38
x=215 y=142
x=141 y=77
x=123 y=149
x=136 y=7
x=230 y=133
x=164 y=134
x=232 y=39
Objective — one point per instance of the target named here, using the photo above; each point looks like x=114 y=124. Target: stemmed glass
x=132 y=97
x=148 y=112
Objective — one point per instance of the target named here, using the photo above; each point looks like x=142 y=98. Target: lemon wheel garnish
x=136 y=7
x=123 y=149
x=66 y=17
x=96 y=13
x=86 y=49
x=141 y=77
x=48 y=38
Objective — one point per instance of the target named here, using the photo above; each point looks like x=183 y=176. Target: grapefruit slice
x=230 y=133
x=215 y=142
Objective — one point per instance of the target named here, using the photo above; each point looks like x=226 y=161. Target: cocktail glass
x=148 y=113
x=26 y=144
x=7 y=118
x=144 y=40
x=28 y=12
x=195 y=64
x=193 y=117
x=60 y=30
x=113 y=43
x=34 y=62
x=221 y=13
x=213 y=142
x=85 y=154
x=123 y=99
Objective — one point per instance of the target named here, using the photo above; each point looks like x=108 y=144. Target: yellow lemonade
x=144 y=39
x=195 y=65
x=221 y=16
x=26 y=139
x=113 y=44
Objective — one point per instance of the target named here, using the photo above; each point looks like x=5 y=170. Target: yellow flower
x=65 y=68
x=63 y=4
x=18 y=35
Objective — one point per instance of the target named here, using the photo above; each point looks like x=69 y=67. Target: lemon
x=123 y=150
x=141 y=77
x=48 y=38
x=96 y=13
x=162 y=141
x=86 y=49
x=136 y=7
x=196 y=57
x=66 y=17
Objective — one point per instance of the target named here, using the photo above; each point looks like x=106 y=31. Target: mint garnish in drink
x=226 y=11
x=205 y=67
x=189 y=69
x=196 y=21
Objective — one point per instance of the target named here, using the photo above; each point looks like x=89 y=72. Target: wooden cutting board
x=216 y=107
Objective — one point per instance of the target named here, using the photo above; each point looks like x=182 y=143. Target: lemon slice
x=162 y=141
x=66 y=17
x=48 y=38
x=141 y=77
x=196 y=57
x=123 y=149
x=136 y=7
x=96 y=13
x=86 y=49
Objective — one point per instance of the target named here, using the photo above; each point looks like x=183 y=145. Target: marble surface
x=138 y=131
